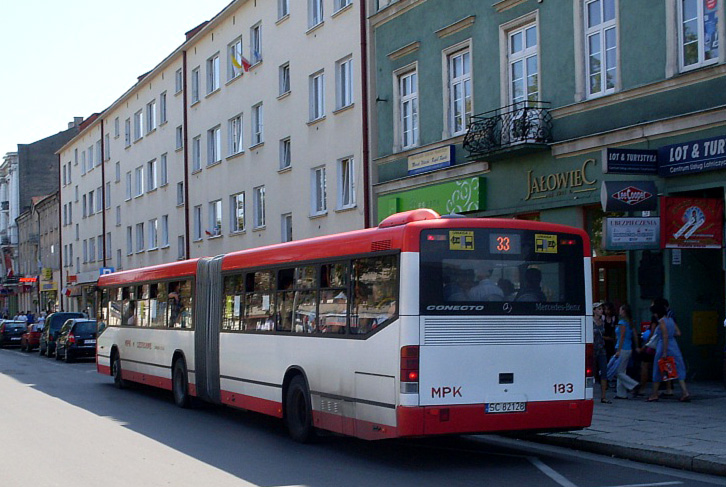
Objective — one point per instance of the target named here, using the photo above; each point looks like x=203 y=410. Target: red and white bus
x=425 y=325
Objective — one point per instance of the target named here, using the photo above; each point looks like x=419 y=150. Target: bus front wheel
x=118 y=380
x=179 y=384
x=298 y=411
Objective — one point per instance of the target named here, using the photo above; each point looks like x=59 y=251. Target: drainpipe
x=103 y=193
x=364 y=101
x=60 y=238
x=187 y=245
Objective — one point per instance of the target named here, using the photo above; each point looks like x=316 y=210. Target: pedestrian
x=598 y=345
x=624 y=349
x=609 y=319
x=667 y=347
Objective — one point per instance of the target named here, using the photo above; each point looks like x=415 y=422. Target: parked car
x=53 y=324
x=77 y=338
x=31 y=338
x=11 y=332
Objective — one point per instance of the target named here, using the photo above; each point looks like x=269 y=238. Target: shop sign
x=28 y=280
x=106 y=270
x=628 y=196
x=631 y=233
x=72 y=278
x=430 y=160
x=631 y=161
x=692 y=157
x=47 y=273
x=561 y=183
x=49 y=286
x=691 y=223
x=460 y=196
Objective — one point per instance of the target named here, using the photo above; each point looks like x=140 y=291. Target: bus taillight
x=409 y=369
x=589 y=360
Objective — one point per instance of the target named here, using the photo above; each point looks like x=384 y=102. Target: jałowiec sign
x=628 y=196
x=560 y=183
x=692 y=157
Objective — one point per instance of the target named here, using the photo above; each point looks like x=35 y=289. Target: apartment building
x=249 y=134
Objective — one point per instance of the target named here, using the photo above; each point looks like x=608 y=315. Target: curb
x=701 y=463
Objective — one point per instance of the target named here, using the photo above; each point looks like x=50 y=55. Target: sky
x=73 y=58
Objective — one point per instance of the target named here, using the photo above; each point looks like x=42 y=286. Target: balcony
x=522 y=127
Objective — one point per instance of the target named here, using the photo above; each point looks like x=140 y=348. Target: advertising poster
x=688 y=223
x=632 y=233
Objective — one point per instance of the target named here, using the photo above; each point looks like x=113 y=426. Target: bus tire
x=180 y=384
x=118 y=380
x=298 y=411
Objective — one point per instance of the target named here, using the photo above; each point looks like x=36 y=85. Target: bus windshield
x=501 y=272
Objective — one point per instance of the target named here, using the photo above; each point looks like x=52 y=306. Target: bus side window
x=232 y=302
x=115 y=311
x=375 y=297
x=157 y=305
x=259 y=311
x=185 y=305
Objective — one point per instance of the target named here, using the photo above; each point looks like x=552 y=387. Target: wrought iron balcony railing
x=523 y=124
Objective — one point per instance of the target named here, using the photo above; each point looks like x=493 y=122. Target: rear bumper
x=539 y=416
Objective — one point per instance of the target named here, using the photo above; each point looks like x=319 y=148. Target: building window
x=116 y=127
x=107 y=147
x=118 y=172
x=99 y=199
x=257 y=125
x=213 y=74
x=344 y=82
x=153 y=234
x=178 y=81
x=215 y=218
x=151 y=175
x=91 y=164
x=99 y=243
x=214 y=145
x=237 y=212
x=341 y=4
x=236 y=142
x=284 y=73
x=128 y=186
x=85 y=251
x=317 y=96
x=346 y=183
x=315 y=13
x=151 y=116
x=164 y=171
x=127 y=132
x=286 y=223
x=459 y=91
x=165 y=230
x=523 y=64
x=697 y=33
x=180 y=193
x=140 y=241
x=408 y=108
x=318 y=191
x=234 y=59
x=256 y=43
x=90 y=203
x=179 y=138
x=259 y=206
x=139 y=181
x=602 y=46
x=92 y=249
x=138 y=125
x=181 y=252
x=129 y=241
x=108 y=245
x=198 y=222
x=285 y=156
x=197 y=153
x=283 y=8
x=108 y=195
x=118 y=216
x=162 y=108
x=195 y=85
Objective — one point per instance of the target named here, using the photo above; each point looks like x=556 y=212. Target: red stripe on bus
x=148 y=379
x=259 y=405
x=103 y=369
x=553 y=415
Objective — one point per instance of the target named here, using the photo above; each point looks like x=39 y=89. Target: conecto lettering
x=457 y=307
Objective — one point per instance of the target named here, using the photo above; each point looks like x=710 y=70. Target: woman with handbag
x=667 y=350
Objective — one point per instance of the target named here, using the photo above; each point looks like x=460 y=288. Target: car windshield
x=85 y=327
x=14 y=324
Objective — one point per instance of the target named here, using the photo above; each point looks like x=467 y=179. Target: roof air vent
x=405 y=217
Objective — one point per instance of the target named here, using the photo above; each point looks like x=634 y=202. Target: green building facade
x=512 y=109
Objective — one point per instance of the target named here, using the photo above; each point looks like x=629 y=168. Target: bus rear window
x=491 y=271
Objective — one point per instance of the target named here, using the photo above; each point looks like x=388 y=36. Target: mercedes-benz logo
x=507 y=308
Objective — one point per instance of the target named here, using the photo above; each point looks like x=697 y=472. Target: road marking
x=654 y=484
x=550 y=472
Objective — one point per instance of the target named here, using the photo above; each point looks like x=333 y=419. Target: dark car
x=53 y=324
x=31 y=338
x=77 y=338
x=11 y=332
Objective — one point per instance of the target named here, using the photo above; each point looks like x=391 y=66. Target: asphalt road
x=64 y=424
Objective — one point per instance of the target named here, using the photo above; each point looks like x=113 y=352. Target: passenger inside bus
x=531 y=289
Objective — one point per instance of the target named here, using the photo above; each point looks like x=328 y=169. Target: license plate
x=15 y=338
x=505 y=407
x=91 y=342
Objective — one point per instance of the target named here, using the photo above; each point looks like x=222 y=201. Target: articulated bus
x=424 y=325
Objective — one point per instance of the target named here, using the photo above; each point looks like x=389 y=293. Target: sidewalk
x=690 y=436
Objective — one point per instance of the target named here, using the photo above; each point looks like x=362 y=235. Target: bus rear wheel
x=298 y=411
x=180 y=384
